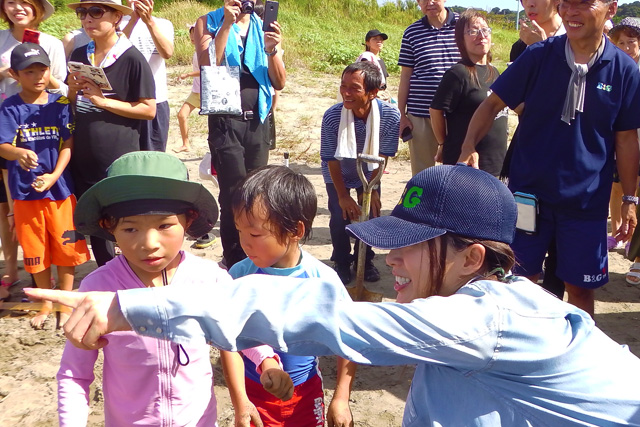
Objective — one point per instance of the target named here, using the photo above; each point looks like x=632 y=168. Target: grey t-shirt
x=50 y=44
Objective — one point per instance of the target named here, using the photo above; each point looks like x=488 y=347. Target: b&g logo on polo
x=411 y=197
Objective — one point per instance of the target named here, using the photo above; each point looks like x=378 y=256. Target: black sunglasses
x=94 y=11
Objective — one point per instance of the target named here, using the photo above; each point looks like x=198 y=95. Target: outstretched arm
x=479 y=126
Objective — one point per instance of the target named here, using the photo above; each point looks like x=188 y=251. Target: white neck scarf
x=574 y=99
x=347 y=145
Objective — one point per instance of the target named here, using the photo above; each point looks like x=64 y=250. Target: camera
x=246 y=6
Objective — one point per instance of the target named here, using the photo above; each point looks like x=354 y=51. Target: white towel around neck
x=347 y=147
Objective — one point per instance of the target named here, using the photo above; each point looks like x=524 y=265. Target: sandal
x=633 y=276
x=6 y=284
x=204 y=241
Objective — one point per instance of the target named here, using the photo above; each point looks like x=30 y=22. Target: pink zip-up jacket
x=143 y=380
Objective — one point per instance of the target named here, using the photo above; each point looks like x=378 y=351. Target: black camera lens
x=246 y=6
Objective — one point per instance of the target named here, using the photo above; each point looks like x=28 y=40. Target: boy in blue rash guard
x=274 y=210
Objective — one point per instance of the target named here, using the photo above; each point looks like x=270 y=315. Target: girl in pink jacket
x=146 y=204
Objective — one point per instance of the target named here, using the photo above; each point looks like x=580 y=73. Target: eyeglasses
x=94 y=11
x=486 y=32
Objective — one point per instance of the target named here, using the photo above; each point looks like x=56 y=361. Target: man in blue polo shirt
x=428 y=49
x=580 y=96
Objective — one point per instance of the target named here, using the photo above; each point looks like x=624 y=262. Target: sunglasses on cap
x=94 y=11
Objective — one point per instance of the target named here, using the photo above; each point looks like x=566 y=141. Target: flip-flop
x=204 y=241
x=5 y=284
x=633 y=276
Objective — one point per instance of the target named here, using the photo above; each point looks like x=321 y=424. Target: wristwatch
x=273 y=52
x=630 y=199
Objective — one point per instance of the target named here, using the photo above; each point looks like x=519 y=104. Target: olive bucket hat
x=145 y=183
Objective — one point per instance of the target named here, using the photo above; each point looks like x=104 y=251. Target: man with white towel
x=359 y=124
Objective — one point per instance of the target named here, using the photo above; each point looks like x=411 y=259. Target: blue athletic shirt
x=299 y=368
x=389 y=128
x=569 y=167
x=41 y=129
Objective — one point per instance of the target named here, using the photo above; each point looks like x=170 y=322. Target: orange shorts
x=47 y=235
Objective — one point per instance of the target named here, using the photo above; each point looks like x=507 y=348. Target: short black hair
x=286 y=196
x=370 y=73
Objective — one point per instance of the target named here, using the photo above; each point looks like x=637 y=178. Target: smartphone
x=270 y=15
x=527 y=205
x=31 y=36
x=406 y=134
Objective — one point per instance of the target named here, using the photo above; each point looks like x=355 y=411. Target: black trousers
x=240 y=146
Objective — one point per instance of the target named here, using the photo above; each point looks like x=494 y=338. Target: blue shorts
x=581 y=248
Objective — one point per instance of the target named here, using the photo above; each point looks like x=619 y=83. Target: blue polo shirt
x=569 y=167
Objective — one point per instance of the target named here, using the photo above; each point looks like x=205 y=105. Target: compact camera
x=246 y=6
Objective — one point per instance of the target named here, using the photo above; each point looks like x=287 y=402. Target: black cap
x=373 y=33
x=26 y=54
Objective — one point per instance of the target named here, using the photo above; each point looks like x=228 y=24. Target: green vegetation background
x=320 y=35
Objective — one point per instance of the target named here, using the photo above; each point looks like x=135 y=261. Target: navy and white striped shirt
x=389 y=127
x=430 y=52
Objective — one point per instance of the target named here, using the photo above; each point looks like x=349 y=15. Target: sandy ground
x=29 y=359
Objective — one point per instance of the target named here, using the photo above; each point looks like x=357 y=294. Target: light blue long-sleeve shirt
x=491 y=354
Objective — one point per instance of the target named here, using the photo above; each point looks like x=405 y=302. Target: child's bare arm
x=191 y=74
x=49 y=179
x=233 y=368
x=339 y=413
x=27 y=159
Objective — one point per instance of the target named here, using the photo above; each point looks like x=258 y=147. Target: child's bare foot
x=63 y=316
x=182 y=149
x=62 y=319
x=40 y=319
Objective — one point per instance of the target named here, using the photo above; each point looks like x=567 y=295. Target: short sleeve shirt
x=389 y=127
x=459 y=97
x=50 y=44
x=569 y=166
x=102 y=136
x=429 y=51
x=142 y=40
x=41 y=129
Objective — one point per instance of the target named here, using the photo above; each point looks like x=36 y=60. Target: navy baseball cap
x=27 y=54
x=373 y=33
x=444 y=199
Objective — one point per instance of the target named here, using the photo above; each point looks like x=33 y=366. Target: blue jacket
x=491 y=354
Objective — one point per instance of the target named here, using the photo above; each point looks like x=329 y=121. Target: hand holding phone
x=406 y=134
x=31 y=36
x=270 y=15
